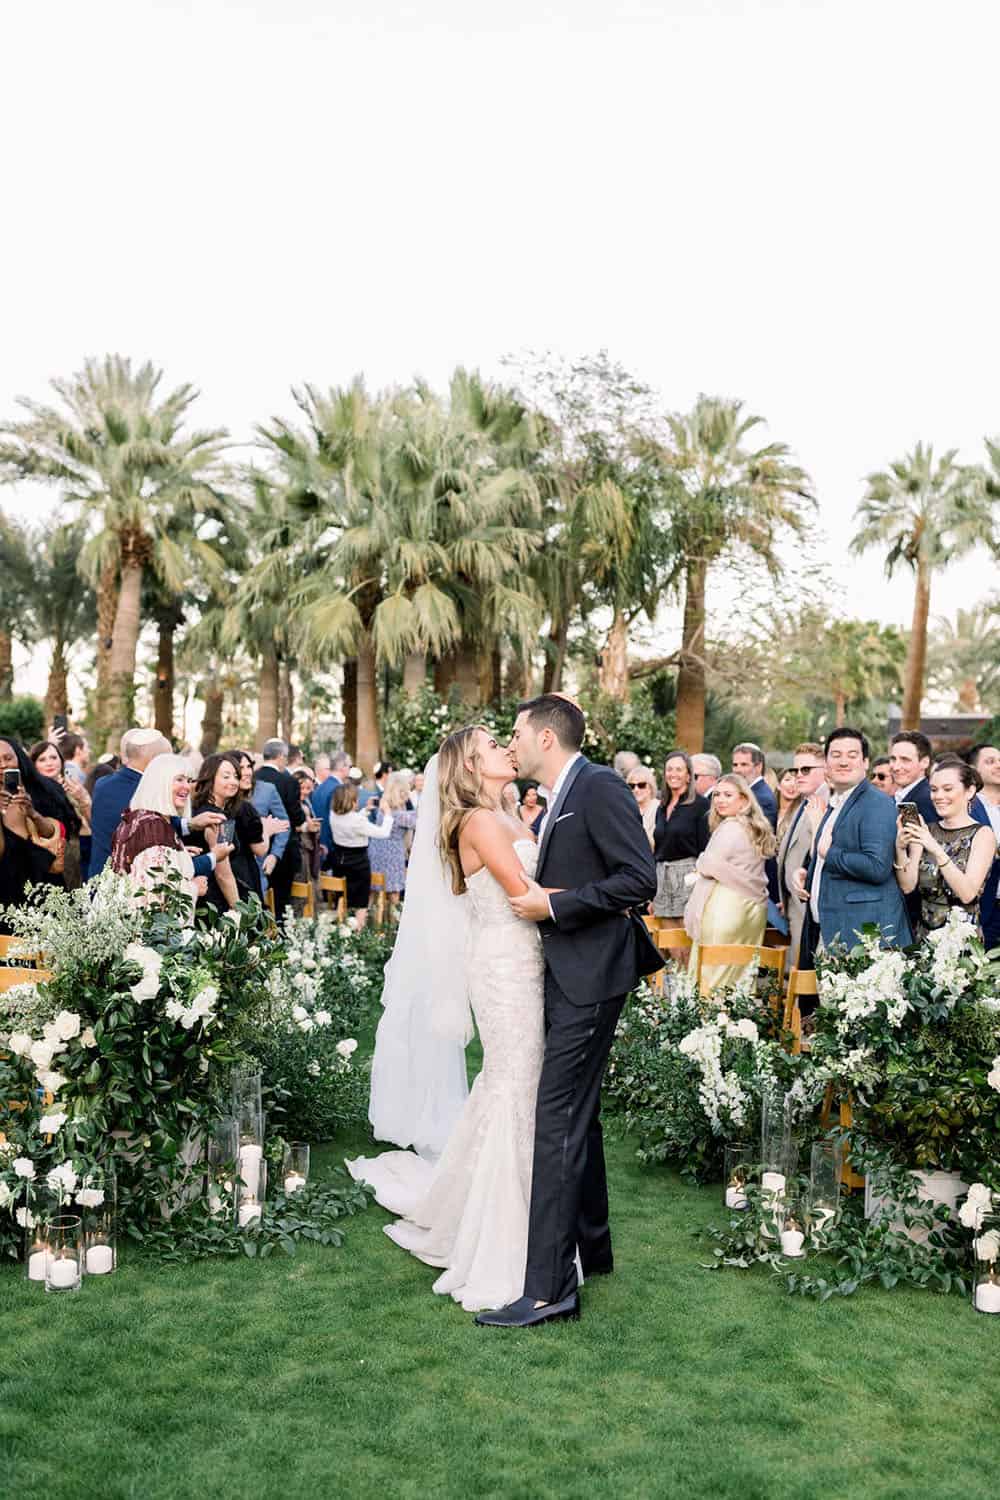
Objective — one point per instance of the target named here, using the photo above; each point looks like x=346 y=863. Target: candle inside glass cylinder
x=36 y=1265
x=248 y=1212
x=294 y=1181
x=792 y=1241
x=988 y=1297
x=773 y=1182
x=100 y=1260
x=251 y=1156
x=735 y=1197
x=62 y=1272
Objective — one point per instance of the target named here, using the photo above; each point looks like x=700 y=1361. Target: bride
x=460 y=942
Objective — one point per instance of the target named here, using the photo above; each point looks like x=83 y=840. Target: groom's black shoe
x=524 y=1314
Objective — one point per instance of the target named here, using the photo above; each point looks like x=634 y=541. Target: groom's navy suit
x=595 y=850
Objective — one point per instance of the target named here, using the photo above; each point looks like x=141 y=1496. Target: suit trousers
x=569 y=1188
x=284 y=872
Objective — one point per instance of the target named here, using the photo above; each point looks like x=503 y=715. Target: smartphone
x=60 y=721
x=12 y=782
x=227 y=831
x=909 y=812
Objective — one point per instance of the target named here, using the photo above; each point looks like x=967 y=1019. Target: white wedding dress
x=468 y=1213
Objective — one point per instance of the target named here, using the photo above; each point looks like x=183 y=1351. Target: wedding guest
x=295 y=758
x=795 y=844
x=642 y=784
x=340 y=765
x=322 y=768
x=510 y=802
x=985 y=759
x=625 y=763
x=146 y=846
x=112 y=795
x=880 y=775
x=789 y=799
x=274 y=768
x=380 y=778
x=106 y=766
x=680 y=833
x=72 y=813
x=253 y=841
x=850 y=881
x=271 y=811
x=946 y=862
x=417 y=790
x=217 y=785
x=75 y=753
x=388 y=858
x=351 y=831
x=707 y=770
x=310 y=830
x=27 y=834
x=909 y=761
x=728 y=902
x=750 y=763
x=532 y=803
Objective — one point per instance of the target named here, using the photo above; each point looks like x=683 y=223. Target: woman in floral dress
x=947 y=861
x=388 y=857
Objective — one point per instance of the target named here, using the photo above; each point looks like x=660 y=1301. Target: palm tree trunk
x=349 y=703
x=916 y=650
x=125 y=639
x=555 y=659
x=163 y=695
x=614 y=679
x=267 y=709
x=490 y=675
x=467 y=675
x=107 y=609
x=840 y=709
x=368 y=731
x=286 y=699
x=211 y=724
x=57 y=693
x=690 y=731
x=445 y=674
x=414 y=673
x=6 y=665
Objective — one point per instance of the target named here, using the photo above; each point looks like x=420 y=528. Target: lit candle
x=295 y=1180
x=773 y=1182
x=735 y=1197
x=792 y=1241
x=988 y=1297
x=100 y=1260
x=63 y=1272
x=36 y=1265
x=251 y=1156
x=248 y=1212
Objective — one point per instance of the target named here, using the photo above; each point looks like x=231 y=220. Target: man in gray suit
x=796 y=843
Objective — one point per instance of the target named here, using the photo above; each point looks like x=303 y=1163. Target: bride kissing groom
x=506 y=1192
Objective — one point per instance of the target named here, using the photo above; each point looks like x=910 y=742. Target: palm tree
x=17 y=596
x=65 y=604
x=118 y=450
x=926 y=514
x=722 y=495
x=963 y=657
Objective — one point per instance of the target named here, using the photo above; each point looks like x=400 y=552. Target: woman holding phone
x=217 y=785
x=946 y=861
x=35 y=814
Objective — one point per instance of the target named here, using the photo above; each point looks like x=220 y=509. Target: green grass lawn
x=338 y=1372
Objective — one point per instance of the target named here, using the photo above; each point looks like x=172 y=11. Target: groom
x=595 y=867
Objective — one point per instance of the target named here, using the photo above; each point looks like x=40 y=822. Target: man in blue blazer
x=113 y=793
x=850 y=881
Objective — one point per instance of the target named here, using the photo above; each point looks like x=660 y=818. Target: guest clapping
x=946 y=861
x=680 y=834
x=350 y=831
x=146 y=846
x=642 y=784
x=388 y=858
x=217 y=785
x=728 y=903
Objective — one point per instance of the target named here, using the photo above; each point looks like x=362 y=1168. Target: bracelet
x=943 y=862
x=898 y=867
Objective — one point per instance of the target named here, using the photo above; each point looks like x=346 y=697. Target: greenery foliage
x=23 y=717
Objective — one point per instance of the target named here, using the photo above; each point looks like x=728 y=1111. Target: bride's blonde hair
x=460 y=788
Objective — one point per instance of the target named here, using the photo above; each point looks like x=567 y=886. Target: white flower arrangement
x=7 y=1195
x=993 y=1076
x=150 y=962
x=89 y=1197
x=24 y=1168
x=63 y=1180
x=201 y=1008
x=978 y=1203
x=347 y=1048
x=987 y=1246
x=52 y=1124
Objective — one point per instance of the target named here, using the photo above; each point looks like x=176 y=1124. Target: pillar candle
x=792 y=1241
x=100 y=1260
x=63 y=1272
x=294 y=1181
x=988 y=1297
x=36 y=1265
x=249 y=1212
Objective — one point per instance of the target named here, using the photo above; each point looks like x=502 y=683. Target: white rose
x=150 y=962
x=747 y=1029
x=305 y=1025
x=980 y=1193
x=25 y=1167
x=67 y=1025
x=993 y=1076
x=323 y=1018
x=25 y=1218
x=988 y=1245
x=53 y=1082
x=19 y=1043
x=87 y=1037
x=347 y=1047
x=7 y=1195
x=299 y=1013
x=90 y=1197
x=42 y=1054
x=50 y=1124
x=63 y=1179
x=205 y=998
x=313 y=1069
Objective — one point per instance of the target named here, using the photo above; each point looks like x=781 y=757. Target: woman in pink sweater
x=729 y=901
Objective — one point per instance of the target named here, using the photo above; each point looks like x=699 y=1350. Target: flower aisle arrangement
x=125 y=1056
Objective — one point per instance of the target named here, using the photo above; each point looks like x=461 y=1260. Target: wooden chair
x=672 y=942
x=850 y=1178
x=800 y=982
x=10 y=977
x=655 y=924
x=379 y=903
x=714 y=954
x=302 y=891
x=333 y=889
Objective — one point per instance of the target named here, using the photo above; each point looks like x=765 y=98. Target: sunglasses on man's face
x=634 y=784
x=804 y=770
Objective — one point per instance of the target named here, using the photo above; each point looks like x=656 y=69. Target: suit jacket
x=112 y=795
x=769 y=807
x=989 y=905
x=793 y=854
x=268 y=804
x=595 y=848
x=921 y=795
x=858 y=884
x=291 y=800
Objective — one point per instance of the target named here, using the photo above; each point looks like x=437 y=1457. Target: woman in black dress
x=680 y=835
x=37 y=817
x=217 y=784
x=251 y=841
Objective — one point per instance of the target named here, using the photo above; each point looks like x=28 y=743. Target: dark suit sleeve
x=768 y=803
x=613 y=822
x=925 y=807
x=871 y=863
x=702 y=834
x=291 y=795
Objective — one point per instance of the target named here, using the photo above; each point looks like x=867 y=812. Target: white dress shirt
x=837 y=801
x=904 y=794
x=560 y=780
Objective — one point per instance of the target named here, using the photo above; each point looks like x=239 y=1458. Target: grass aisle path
x=337 y=1372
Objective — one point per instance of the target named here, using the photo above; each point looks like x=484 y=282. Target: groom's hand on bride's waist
x=534 y=906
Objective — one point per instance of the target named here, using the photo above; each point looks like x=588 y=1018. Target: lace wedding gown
x=469 y=1213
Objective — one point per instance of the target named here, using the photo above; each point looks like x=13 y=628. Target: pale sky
x=785 y=202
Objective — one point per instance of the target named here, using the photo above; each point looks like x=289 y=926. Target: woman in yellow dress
x=729 y=901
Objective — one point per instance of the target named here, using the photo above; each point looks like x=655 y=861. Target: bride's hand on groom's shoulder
x=533 y=906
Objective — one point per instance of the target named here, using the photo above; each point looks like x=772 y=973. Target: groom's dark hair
x=564 y=718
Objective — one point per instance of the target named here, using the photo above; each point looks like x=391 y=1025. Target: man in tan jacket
x=796 y=842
